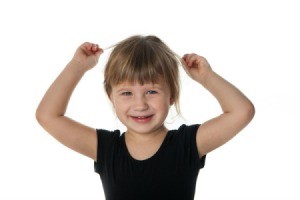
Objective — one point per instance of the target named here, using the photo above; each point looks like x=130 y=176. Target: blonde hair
x=143 y=59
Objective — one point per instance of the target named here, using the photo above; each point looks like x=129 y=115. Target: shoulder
x=107 y=139
x=185 y=133
x=186 y=130
x=184 y=141
x=106 y=134
x=189 y=128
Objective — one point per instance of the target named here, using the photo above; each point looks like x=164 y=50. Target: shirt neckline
x=151 y=157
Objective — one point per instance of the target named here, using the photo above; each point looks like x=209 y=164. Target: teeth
x=141 y=117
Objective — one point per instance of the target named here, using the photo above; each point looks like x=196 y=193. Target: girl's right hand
x=87 y=55
x=197 y=67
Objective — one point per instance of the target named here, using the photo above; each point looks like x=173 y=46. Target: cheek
x=164 y=104
x=120 y=105
x=114 y=100
x=119 y=111
x=117 y=106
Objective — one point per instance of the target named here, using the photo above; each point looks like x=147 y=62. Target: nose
x=140 y=103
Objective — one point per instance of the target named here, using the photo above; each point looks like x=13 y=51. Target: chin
x=146 y=130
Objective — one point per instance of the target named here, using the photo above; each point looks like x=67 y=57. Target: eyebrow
x=129 y=87
x=122 y=89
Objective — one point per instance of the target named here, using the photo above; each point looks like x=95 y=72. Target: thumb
x=98 y=53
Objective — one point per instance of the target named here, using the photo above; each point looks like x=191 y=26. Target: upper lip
x=142 y=116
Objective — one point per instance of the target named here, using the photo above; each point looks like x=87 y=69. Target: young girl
x=148 y=161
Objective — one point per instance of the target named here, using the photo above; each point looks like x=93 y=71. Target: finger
x=186 y=69
x=86 y=46
x=185 y=58
x=94 y=47
x=90 y=48
x=184 y=63
x=190 y=59
x=99 y=52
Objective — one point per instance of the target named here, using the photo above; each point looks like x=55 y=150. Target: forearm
x=56 y=99
x=231 y=99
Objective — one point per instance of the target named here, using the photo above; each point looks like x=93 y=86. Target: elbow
x=42 y=117
x=251 y=111
x=39 y=116
x=248 y=112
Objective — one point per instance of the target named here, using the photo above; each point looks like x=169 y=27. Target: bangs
x=138 y=67
x=140 y=61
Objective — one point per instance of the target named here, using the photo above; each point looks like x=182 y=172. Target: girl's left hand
x=88 y=55
x=197 y=67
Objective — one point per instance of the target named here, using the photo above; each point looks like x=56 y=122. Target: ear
x=172 y=101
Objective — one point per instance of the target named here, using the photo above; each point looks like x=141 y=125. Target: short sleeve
x=105 y=142
x=189 y=133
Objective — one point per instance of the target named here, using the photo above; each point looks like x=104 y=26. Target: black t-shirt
x=171 y=173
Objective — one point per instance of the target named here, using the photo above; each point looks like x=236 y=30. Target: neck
x=146 y=137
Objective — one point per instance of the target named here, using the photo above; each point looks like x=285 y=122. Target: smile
x=142 y=119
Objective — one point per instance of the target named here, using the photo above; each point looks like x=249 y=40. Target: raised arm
x=238 y=110
x=51 y=111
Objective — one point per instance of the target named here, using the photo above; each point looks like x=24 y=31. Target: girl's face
x=141 y=108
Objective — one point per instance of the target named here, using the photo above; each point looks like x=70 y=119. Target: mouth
x=142 y=119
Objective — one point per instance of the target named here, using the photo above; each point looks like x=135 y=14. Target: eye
x=126 y=93
x=151 y=92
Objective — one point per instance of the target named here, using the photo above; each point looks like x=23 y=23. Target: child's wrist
x=77 y=66
x=204 y=80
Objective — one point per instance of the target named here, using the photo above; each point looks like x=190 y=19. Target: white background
x=253 y=44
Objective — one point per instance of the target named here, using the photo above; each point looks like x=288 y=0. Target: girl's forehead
x=160 y=84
